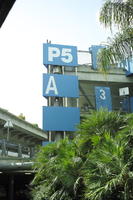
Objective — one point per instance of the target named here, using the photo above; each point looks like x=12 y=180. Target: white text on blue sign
x=62 y=55
x=60 y=85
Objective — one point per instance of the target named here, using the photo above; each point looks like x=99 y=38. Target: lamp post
x=8 y=125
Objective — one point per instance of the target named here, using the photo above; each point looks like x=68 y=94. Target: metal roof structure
x=5 y=7
x=22 y=132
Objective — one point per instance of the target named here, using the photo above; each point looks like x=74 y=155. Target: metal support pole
x=8 y=125
x=50 y=136
x=64 y=134
x=64 y=101
x=49 y=101
x=77 y=102
x=4 y=150
x=19 y=151
x=63 y=69
x=76 y=71
x=32 y=153
x=49 y=69
x=49 y=104
x=8 y=133
x=66 y=105
x=11 y=188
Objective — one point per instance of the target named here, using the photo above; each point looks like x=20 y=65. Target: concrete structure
x=18 y=140
x=90 y=78
x=18 y=143
x=22 y=132
x=5 y=7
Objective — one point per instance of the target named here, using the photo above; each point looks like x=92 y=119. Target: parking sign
x=62 y=55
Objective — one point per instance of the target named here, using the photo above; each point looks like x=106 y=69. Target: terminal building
x=112 y=90
x=18 y=142
x=18 y=138
x=5 y=7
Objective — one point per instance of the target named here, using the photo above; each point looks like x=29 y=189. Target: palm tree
x=108 y=168
x=118 y=13
x=96 y=165
x=58 y=172
x=108 y=175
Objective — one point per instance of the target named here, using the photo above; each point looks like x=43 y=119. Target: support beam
x=11 y=187
x=87 y=98
x=5 y=7
x=23 y=126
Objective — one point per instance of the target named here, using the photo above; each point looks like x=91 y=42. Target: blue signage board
x=62 y=55
x=126 y=103
x=131 y=104
x=127 y=64
x=94 y=51
x=60 y=118
x=103 y=98
x=60 y=85
x=44 y=143
x=129 y=71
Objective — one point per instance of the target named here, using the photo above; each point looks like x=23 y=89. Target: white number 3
x=102 y=94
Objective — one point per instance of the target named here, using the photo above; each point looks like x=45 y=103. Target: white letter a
x=51 y=86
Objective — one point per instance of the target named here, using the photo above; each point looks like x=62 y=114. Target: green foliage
x=21 y=116
x=119 y=48
x=58 y=171
x=106 y=169
x=95 y=125
x=35 y=125
x=96 y=165
x=117 y=12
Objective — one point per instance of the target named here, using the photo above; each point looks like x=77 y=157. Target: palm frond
x=117 y=12
x=118 y=49
x=99 y=187
x=96 y=165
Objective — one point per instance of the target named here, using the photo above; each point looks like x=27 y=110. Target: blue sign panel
x=62 y=55
x=103 y=98
x=60 y=118
x=126 y=104
x=127 y=64
x=60 y=85
x=129 y=71
x=44 y=143
x=94 y=51
x=131 y=104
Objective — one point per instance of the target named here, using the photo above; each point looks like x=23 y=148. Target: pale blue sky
x=29 y=24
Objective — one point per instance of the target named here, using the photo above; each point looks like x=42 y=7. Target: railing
x=8 y=149
x=123 y=104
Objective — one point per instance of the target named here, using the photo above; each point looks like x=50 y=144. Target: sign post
x=59 y=118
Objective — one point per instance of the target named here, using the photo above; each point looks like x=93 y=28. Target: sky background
x=29 y=24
